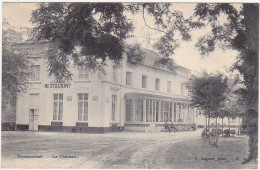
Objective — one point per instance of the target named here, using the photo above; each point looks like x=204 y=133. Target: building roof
x=151 y=57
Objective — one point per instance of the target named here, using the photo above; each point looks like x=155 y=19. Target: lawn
x=194 y=154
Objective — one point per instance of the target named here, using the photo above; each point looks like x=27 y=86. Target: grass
x=196 y=154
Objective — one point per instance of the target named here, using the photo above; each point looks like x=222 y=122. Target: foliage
x=172 y=25
x=15 y=72
x=207 y=92
x=233 y=132
x=204 y=133
x=97 y=28
x=135 y=54
x=15 y=66
x=234 y=106
x=227 y=132
x=219 y=131
x=165 y=61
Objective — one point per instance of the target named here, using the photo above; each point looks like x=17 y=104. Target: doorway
x=34 y=119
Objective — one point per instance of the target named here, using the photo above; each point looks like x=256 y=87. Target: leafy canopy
x=208 y=92
x=91 y=33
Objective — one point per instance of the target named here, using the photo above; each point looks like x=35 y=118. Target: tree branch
x=149 y=26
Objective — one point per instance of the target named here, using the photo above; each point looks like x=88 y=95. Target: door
x=34 y=118
x=33 y=111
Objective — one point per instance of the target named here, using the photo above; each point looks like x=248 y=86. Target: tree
x=208 y=93
x=15 y=72
x=15 y=66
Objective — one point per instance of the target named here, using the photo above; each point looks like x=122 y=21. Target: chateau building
x=134 y=98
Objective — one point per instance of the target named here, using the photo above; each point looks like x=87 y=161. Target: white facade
x=111 y=100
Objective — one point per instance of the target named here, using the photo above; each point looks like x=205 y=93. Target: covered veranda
x=148 y=112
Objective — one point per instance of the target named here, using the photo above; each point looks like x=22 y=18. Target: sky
x=19 y=14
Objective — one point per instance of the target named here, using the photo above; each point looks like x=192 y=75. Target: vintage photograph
x=130 y=85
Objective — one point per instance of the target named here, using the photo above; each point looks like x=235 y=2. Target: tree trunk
x=206 y=122
x=251 y=15
x=216 y=132
x=238 y=130
x=222 y=126
x=209 y=127
x=209 y=123
x=229 y=124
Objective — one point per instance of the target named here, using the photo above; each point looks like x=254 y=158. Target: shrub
x=204 y=133
x=219 y=131
x=233 y=132
x=226 y=132
x=201 y=126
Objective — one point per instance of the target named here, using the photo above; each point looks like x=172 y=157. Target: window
x=169 y=89
x=128 y=78
x=157 y=84
x=183 y=89
x=82 y=107
x=114 y=100
x=144 y=81
x=35 y=73
x=83 y=73
x=57 y=106
x=115 y=74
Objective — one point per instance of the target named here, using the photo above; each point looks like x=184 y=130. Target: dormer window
x=115 y=74
x=35 y=76
x=83 y=73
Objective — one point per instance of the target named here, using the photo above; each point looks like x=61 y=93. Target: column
x=183 y=112
x=177 y=112
x=133 y=110
x=180 y=111
x=162 y=111
x=172 y=111
x=154 y=110
x=144 y=110
x=148 y=111
x=187 y=113
x=169 y=111
x=151 y=113
x=159 y=112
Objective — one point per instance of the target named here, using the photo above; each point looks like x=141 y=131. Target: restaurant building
x=133 y=98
